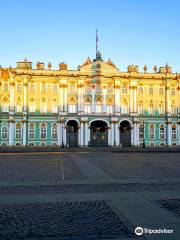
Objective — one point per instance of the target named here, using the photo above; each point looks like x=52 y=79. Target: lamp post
x=62 y=121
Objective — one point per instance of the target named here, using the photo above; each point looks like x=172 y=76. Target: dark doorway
x=72 y=133
x=99 y=134
x=125 y=134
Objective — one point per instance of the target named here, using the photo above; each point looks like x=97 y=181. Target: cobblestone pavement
x=172 y=205
x=54 y=196
x=85 y=220
x=143 y=166
x=90 y=188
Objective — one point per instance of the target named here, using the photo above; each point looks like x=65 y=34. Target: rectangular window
x=43 y=88
x=151 y=91
x=141 y=91
x=72 y=108
x=124 y=90
x=32 y=88
x=87 y=108
x=173 y=91
x=55 y=89
x=161 y=91
x=19 y=88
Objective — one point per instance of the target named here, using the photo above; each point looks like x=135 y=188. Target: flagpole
x=96 y=42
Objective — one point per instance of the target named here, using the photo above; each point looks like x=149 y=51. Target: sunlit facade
x=95 y=105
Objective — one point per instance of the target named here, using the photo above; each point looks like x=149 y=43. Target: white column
x=64 y=134
x=86 y=133
x=12 y=96
x=79 y=97
x=11 y=133
x=112 y=134
x=93 y=102
x=25 y=98
x=131 y=99
x=117 y=99
x=168 y=111
x=116 y=134
x=135 y=133
x=24 y=133
x=82 y=134
x=59 y=133
x=178 y=133
x=168 y=133
x=82 y=98
x=132 y=135
x=109 y=135
x=65 y=97
x=61 y=98
x=135 y=99
x=104 y=100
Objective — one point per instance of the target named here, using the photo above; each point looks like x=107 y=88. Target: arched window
x=43 y=131
x=124 y=107
x=18 y=131
x=161 y=108
x=140 y=108
x=31 y=131
x=161 y=132
x=151 y=132
x=151 y=107
x=54 y=131
x=173 y=131
x=4 y=132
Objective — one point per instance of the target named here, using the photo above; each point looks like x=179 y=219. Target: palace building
x=95 y=105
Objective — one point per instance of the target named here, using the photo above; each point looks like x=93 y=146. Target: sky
x=135 y=32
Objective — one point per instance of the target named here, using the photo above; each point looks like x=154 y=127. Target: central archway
x=72 y=133
x=125 y=133
x=99 y=134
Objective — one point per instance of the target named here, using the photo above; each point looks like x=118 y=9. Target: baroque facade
x=95 y=105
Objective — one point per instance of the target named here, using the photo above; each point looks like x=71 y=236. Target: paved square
x=89 y=195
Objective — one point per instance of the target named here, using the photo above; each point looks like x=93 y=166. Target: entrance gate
x=125 y=134
x=72 y=133
x=98 y=134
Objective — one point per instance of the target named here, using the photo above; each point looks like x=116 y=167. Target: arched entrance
x=125 y=133
x=99 y=134
x=72 y=133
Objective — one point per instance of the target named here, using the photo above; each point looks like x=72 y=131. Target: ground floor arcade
x=74 y=131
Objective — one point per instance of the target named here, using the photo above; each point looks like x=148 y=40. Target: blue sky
x=130 y=31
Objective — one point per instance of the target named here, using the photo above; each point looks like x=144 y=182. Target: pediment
x=101 y=66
